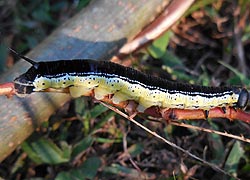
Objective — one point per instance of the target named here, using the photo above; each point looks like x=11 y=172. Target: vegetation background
x=84 y=140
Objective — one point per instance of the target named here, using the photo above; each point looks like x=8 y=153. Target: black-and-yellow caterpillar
x=124 y=83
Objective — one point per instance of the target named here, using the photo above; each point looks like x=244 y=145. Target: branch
x=161 y=24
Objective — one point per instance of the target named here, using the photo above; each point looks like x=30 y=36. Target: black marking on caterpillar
x=124 y=83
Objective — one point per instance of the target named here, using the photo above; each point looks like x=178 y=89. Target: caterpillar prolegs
x=102 y=78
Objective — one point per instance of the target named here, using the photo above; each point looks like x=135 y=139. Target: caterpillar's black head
x=243 y=99
x=24 y=83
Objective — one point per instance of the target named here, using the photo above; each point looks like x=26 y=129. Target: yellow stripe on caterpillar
x=123 y=90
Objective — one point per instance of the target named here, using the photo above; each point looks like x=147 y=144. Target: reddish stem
x=181 y=114
x=7 y=89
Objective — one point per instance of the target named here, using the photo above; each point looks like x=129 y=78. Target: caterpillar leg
x=224 y=110
x=206 y=113
x=131 y=109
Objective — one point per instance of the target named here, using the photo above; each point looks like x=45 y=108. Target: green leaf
x=87 y=170
x=92 y=114
x=45 y=151
x=159 y=46
x=103 y=120
x=90 y=166
x=82 y=145
x=42 y=13
x=64 y=176
x=216 y=143
x=238 y=74
x=117 y=169
x=174 y=66
x=82 y=3
x=171 y=60
x=129 y=173
x=234 y=157
x=66 y=150
x=106 y=140
x=198 y=5
x=135 y=149
x=31 y=153
x=98 y=110
x=80 y=106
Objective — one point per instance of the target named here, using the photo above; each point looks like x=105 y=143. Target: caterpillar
x=104 y=78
